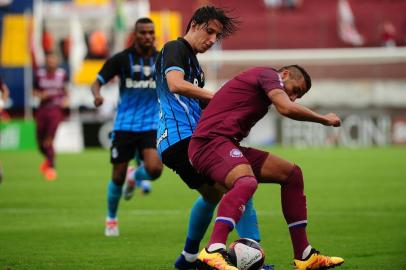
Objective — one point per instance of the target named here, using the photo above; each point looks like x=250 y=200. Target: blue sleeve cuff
x=174 y=68
x=101 y=79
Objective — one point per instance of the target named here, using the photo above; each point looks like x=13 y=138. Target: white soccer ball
x=246 y=254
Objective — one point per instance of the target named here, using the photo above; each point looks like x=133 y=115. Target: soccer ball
x=246 y=254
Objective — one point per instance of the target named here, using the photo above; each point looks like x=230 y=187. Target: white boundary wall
x=307 y=56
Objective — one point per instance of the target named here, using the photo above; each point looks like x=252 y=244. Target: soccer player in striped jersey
x=50 y=88
x=136 y=121
x=180 y=82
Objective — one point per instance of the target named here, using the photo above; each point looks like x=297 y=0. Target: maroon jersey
x=239 y=104
x=53 y=85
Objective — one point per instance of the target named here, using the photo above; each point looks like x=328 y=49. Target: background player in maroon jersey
x=3 y=100
x=215 y=151
x=5 y=92
x=50 y=89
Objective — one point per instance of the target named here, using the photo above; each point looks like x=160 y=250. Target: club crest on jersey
x=147 y=70
x=136 y=68
x=236 y=153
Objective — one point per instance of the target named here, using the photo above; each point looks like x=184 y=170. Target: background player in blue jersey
x=135 y=124
x=180 y=82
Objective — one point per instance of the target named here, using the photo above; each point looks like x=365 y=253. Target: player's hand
x=332 y=120
x=98 y=100
x=65 y=103
x=44 y=95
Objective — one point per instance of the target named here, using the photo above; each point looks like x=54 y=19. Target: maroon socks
x=294 y=210
x=231 y=207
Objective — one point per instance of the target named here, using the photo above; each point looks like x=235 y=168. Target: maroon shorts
x=216 y=157
x=48 y=120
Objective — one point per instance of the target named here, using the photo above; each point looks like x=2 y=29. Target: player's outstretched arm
x=295 y=111
x=178 y=85
x=95 y=88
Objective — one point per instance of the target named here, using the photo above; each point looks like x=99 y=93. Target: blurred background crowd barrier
x=353 y=49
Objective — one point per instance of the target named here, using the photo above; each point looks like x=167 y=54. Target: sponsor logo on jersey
x=235 y=153
x=129 y=83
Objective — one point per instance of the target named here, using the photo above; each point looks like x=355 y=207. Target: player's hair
x=142 y=21
x=296 y=72
x=207 y=13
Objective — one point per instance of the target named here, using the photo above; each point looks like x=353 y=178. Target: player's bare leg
x=150 y=169
x=153 y=169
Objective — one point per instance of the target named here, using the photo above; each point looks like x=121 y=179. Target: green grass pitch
x=356 y=202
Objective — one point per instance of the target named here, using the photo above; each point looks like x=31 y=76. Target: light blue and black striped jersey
x=138 y=108
x=178 y=114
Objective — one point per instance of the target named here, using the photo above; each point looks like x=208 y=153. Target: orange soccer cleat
x=217 y=259
x=50 y=174
x=317 y=261
x=44 y=166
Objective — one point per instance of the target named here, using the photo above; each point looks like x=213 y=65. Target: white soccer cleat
x=129 y=185
x=111 y=227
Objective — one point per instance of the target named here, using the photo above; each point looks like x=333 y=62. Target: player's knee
x=155 y=171
x=248 y=183
x=296 y=177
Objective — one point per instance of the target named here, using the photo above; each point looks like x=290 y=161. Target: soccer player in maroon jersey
x=215 y=151
x=3 y=100
x=50 y=89
x=5 y=92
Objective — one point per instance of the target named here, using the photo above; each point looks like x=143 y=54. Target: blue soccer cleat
x=182 y=264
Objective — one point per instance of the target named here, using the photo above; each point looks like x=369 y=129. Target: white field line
x=174 y=212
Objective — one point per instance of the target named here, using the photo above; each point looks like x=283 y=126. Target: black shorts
x=176 y=158
x=125 y=144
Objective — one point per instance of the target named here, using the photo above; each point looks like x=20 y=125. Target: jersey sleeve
x=269 y=80
x=175 y=57
x=110 y=69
